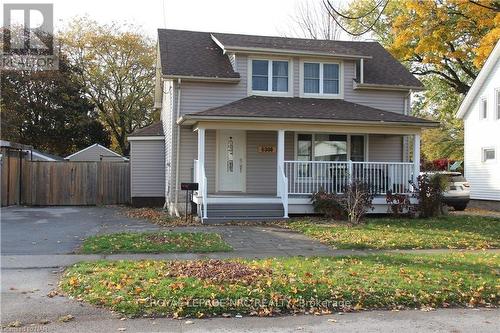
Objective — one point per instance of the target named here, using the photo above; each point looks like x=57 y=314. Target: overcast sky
x=265 y=17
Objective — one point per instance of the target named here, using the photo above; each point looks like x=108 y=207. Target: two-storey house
x=261 y=123
x=480 y=111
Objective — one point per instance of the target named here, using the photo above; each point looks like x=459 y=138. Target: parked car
x=457 y=193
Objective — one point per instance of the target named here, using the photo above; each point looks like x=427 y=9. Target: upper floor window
x=270 y=75
x=484 y=109
x=321 y=78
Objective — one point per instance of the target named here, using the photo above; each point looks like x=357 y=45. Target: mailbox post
x=189 y=188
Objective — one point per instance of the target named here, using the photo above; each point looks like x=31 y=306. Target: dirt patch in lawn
x=217 y=271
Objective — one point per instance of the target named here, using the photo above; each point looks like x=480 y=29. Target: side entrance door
x=231 y=160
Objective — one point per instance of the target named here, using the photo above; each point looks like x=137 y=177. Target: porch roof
x=293 y=108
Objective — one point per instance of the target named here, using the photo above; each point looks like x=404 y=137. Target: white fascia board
x=479 y=81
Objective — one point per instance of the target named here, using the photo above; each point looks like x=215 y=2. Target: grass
x=155 y=242
x=286 y=285
x=455 y=232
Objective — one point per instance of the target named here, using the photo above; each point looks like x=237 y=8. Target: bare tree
x=313 y=21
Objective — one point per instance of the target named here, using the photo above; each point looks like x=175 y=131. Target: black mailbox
x=189 y=186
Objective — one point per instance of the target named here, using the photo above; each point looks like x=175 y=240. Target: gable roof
x=155 y=129
x=192 y=53
x=306 y=108
x=488 y=66
x=203 y=54
x=101 y=147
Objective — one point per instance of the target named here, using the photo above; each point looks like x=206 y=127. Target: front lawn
x=155 y=242
x=454 y=232
x=286 y=285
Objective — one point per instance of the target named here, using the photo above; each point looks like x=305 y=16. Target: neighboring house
x=29 y=152
x=480 y=111
x=95 y=153
x=37 y=155
x=261 y=123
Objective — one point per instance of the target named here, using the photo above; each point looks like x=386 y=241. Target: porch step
x=222 y=220
x=229 y=212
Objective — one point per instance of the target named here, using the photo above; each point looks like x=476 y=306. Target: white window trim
x=497 y=103
x=348 y=143
x=269 y=91
x=484 y=160
x=340 y=95
x=481 y=102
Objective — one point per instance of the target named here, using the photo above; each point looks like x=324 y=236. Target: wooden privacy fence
x=70 y=183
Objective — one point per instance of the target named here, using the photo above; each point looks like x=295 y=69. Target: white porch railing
x=202 y=193
x=307 y=177
x=282 y=189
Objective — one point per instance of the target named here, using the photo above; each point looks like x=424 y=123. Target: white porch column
x=416 y=157
x=201 y=167
x=280 y=159
x=201 y=148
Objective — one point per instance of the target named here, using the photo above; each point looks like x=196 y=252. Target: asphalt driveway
x=59 y=230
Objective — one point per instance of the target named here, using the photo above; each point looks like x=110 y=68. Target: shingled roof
x=196 y=54
x=155 y=129
x=192 y=53
x=306 y=108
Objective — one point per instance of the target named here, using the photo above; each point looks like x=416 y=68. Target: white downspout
x=177 y=153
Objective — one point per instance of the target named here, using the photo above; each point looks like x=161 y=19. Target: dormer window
x=321 y=79
x=270 y=76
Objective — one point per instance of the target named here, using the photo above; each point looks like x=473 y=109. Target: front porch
x=245 y=173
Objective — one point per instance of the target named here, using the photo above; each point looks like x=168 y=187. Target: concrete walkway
x=57 y=261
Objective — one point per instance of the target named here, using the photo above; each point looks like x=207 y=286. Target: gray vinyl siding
x=393 y=101
x=199 y=96
x=147 y=168
x=385 y=148
x=261 y=167
x=210 y=158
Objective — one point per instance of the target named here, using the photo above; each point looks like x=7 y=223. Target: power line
x=329 y=7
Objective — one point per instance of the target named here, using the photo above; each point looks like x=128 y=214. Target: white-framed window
x=328 y=147
x=483 y=108
x=497 y=104
x=488 y=154
x=321 y=79
x=270 y=76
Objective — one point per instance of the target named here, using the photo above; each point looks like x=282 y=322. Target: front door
x=231 y=160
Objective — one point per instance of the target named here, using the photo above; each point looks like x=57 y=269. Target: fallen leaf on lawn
x=66 y=318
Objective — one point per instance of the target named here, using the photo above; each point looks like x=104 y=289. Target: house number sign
x=267 y=149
